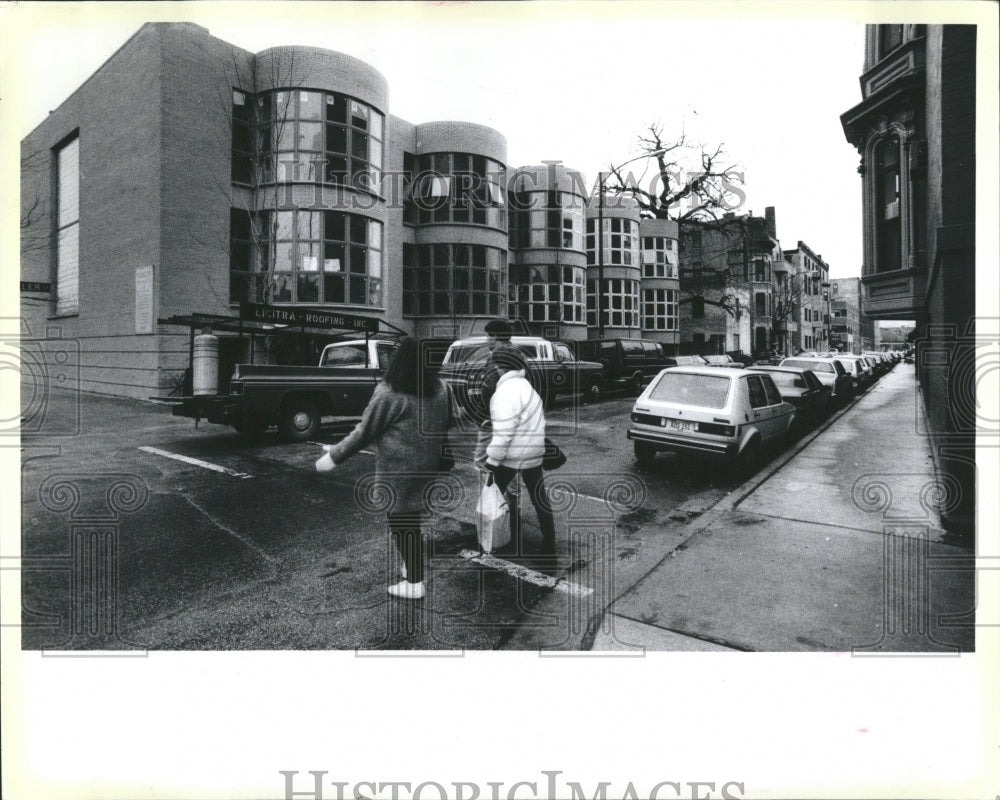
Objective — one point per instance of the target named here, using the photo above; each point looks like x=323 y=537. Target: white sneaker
x=407 y=590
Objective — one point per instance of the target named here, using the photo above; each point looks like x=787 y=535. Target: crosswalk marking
x=196 y=462
x=525 y=574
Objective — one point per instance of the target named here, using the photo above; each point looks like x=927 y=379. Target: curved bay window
x=549 y=219
x=321 y=137
x=456 y=187
x=621 y=241
x=547 y=293
x=621 y=302
x=659 y=310
x=888 y=244
x=319 y=257
x=454 y=280
x=659 y=257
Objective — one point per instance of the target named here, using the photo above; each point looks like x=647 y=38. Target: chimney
x=769 y=223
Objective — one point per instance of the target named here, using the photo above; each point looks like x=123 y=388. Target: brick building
x=850 y=330
x=915 y=130
x=187 y=176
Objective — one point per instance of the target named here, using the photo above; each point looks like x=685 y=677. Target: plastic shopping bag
x=493 y=518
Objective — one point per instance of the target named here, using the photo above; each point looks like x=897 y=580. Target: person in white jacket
x=518 y=441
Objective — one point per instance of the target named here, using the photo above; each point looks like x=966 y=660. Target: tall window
x=68 y=228
x=323 y=257
x=659 y=310
x=243 y=150
x=454 y=280
x=887 y=224
x=659 y=257
x=240 y=250
x=889 y=38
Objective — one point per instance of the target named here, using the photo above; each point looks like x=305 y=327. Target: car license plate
x=680 y=425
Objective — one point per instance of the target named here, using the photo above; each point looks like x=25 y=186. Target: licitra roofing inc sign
x=310 y=318
x=36 y=287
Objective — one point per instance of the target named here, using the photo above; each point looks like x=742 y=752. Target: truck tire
x=637 y=384
x=298 y=420
x=249 y=426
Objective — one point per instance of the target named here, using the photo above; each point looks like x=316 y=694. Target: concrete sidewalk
x=836 y=545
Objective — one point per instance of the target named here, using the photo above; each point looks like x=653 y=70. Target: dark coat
x=407 y=435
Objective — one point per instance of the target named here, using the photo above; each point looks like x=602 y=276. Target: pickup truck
x=552 y=367
x=296 y=398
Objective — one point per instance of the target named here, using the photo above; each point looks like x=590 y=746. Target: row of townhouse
x=187 y=176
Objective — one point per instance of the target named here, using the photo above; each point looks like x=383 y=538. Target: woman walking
x=518 y=441
x=407 y=420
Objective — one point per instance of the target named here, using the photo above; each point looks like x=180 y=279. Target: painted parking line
x=195 y=462
x=525 y=574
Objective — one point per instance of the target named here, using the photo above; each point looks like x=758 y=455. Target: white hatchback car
x=727 y=414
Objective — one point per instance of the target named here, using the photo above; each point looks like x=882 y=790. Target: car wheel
x=299 y=420
x=748 y=460
x=636 y=384
x=645 y=453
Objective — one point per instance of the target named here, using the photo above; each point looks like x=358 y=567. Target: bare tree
x=692 y=182
x=698 y=186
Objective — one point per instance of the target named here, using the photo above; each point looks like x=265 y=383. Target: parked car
x=801 y=388
x=740 y=356
x=830 y=371
x=709 y=412
x=689 y=361
x=862 y=375
x=552 y=369
x=629 y=364
x=765 y=357
x=723 y=360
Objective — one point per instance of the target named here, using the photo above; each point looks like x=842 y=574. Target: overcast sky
x=574 y=82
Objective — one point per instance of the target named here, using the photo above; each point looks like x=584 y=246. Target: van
x=629 y=364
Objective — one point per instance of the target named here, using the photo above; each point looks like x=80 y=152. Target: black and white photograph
x=500 y=400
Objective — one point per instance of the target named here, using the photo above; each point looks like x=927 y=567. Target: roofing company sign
x=310 y=318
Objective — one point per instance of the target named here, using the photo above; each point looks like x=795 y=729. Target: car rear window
x=783 y=378
x=471 y=353
x=815 y=366
x=710 y=391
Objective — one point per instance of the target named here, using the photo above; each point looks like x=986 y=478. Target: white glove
x=325 y=463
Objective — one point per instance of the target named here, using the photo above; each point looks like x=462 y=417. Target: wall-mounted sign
x=286 y=315
x=36 y=286
x=144 y=299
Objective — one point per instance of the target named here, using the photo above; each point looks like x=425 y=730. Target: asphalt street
x=141 y=530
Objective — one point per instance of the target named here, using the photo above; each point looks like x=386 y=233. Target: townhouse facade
x=808 y=294
x=915 y=131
